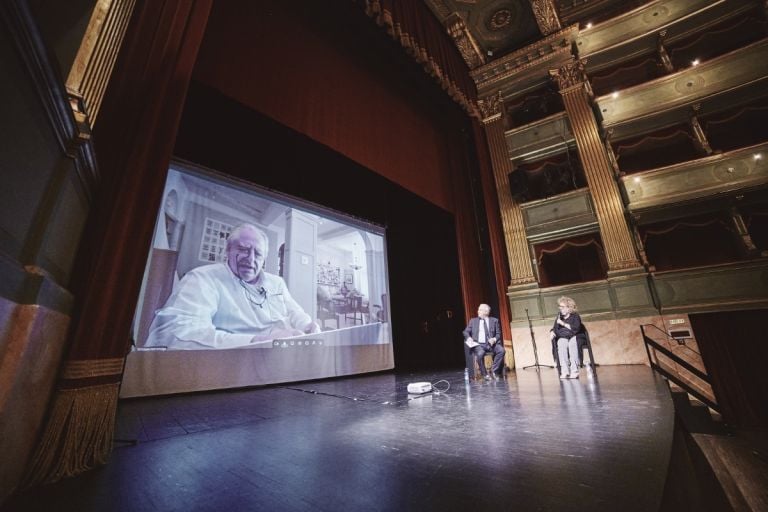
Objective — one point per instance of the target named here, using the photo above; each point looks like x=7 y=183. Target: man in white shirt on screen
x=230 y=305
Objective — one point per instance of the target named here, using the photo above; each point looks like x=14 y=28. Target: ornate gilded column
x=609 y=208
x=546 y=16
x=96 y=57
x=520 y=266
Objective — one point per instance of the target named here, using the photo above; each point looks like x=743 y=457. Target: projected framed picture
x=216 y=282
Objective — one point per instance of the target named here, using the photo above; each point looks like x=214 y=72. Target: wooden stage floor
x=528 y=442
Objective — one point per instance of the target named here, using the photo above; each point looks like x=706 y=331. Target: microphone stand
x=535 y=352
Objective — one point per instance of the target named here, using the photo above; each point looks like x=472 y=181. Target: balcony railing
x=680 y=363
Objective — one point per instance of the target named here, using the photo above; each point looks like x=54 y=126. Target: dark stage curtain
x=734 y=346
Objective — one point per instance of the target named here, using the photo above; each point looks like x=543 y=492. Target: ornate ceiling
x=487 y=29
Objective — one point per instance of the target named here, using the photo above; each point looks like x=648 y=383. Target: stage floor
x=528 y=442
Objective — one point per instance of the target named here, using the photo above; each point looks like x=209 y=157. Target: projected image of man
x=230 y=305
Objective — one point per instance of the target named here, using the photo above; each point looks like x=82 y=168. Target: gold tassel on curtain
x=78 y=434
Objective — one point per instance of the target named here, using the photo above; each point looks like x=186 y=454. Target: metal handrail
x=651 y=343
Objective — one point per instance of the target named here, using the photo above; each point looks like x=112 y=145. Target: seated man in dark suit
x=483 y=335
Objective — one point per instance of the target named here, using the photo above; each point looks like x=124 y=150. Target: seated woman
x=567 y=326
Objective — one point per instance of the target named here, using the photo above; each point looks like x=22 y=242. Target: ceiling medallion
x=500 y=19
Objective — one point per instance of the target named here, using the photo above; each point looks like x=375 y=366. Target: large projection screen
x=244 y=286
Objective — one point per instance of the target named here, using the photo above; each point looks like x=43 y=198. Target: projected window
x=233 y=266
x=213 y=242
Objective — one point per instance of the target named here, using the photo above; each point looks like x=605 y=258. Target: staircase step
x=696 y=418
x=741 y=472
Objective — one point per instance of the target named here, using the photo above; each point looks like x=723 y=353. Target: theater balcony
x=640 y=31
x=738 y=76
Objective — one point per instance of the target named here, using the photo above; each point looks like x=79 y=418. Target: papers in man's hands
x=471 y=343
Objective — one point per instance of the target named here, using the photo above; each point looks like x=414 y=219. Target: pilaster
x=609 y=209
x=520 y=266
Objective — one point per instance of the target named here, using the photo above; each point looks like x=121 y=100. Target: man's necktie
x=485 y=329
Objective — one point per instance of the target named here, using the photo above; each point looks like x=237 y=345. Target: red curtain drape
x=495 y=232
x=134 y=139
x=414 y=26
x=734 y=346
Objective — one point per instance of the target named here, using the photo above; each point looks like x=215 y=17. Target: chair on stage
x=584 y=343
x=471 y=362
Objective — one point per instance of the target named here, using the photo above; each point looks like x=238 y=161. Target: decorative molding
x=570 y=75
x=468 y=47
x=491 y=107
x=522 y=60
x=546 y=16
x=458 y=92
x=88 y=368
x=74 y=142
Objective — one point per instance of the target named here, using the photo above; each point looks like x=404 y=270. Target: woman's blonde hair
x=568 y=302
